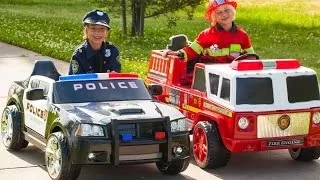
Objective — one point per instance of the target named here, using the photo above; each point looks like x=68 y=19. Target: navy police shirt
x=86 y=60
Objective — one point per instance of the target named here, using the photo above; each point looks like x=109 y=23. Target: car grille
x=141 y=130
x=127 y=128
x=268 y=126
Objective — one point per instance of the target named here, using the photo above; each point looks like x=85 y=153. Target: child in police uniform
x=223 y=41
x=95 y=54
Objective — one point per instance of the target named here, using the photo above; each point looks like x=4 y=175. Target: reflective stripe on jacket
x=219 y=44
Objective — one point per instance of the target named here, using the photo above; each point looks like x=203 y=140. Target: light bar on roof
x=288 y=64
x=123 y=75
x=90 y=76
x=247 y=65
x=97 y=76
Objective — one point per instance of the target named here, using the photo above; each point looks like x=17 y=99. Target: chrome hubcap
x=6 y=129
x=53 y=157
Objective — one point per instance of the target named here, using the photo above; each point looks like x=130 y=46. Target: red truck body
x=218 y=119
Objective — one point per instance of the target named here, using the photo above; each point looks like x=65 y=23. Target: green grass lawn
x=278 y=29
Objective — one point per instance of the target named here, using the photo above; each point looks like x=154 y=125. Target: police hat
x=96 y=17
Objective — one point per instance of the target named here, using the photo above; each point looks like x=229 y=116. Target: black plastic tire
x=175 y=167
x=305 y=154
x=17 y=141
x=217 y=155
x=68 y=171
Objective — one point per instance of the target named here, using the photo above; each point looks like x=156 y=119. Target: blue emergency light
x=76 y=77
x=126 y=137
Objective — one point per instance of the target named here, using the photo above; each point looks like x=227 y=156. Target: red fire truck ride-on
x=247 y=105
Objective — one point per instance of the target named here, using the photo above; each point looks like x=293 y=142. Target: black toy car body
x=93 y=119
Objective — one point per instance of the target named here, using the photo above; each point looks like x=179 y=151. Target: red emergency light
x=122 y=75
x=247 y=65
x=160 y=135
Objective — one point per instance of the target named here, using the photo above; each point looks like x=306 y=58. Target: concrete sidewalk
x=16 y=64
x=10 y=53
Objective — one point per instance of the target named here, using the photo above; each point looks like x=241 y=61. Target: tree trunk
x=138 y=20
x=133 y=23
x=142 y=11
x=124 y=17
x=138 y=11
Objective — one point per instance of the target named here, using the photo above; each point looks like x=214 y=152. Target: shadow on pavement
x=266 y=165
x=137 y=171
x=35 y=157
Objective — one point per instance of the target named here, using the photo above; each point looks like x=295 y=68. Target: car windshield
x=254 y=91
x=302 y=88
x=100 y=90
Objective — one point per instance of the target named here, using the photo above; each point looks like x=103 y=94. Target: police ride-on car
x=248 y=105
x=104 y=118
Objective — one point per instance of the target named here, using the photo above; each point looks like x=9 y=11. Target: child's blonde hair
x=85 y=37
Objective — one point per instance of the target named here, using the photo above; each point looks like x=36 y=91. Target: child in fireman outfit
x=223 y=41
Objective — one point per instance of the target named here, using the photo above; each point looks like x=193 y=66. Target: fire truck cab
x=244 y=106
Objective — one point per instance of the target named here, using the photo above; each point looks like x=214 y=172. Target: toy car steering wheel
x=247 y=56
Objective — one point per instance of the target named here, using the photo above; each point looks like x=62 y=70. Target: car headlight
x=179 y=125
x=316 y=118
x=243 y=123
x=89 y=130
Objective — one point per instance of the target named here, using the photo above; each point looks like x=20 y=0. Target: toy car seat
x=178 y=42
x=45 y=68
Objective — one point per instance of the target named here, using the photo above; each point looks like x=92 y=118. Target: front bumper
x=235 y=145
x=101 y=150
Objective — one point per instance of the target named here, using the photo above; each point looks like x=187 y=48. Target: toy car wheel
x=175 y=167
x=11 y=134
x=208 y=149
x=305 y=154
x=57 y=157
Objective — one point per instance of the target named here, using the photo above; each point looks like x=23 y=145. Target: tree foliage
x=159 y=7
x=141 y=9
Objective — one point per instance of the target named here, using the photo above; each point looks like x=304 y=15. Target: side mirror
x=155 y=89
x=35 y=94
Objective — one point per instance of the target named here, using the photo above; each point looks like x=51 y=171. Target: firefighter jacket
x=220 y=45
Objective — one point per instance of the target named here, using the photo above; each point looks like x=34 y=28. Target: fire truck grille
x=276 y=126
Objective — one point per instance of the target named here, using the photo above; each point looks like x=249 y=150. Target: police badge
x=74 y=66
x=100 y=13
x=107 y=53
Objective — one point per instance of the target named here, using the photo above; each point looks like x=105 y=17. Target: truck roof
x=227 y=71
x=230 y=70
x=278 y=76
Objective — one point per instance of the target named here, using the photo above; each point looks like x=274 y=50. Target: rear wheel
x=58 y=160
x=11 y=125
x=174 y=167
x=208 y=149
x=305 y=154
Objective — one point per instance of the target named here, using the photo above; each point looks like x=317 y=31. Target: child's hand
x=169 y=52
